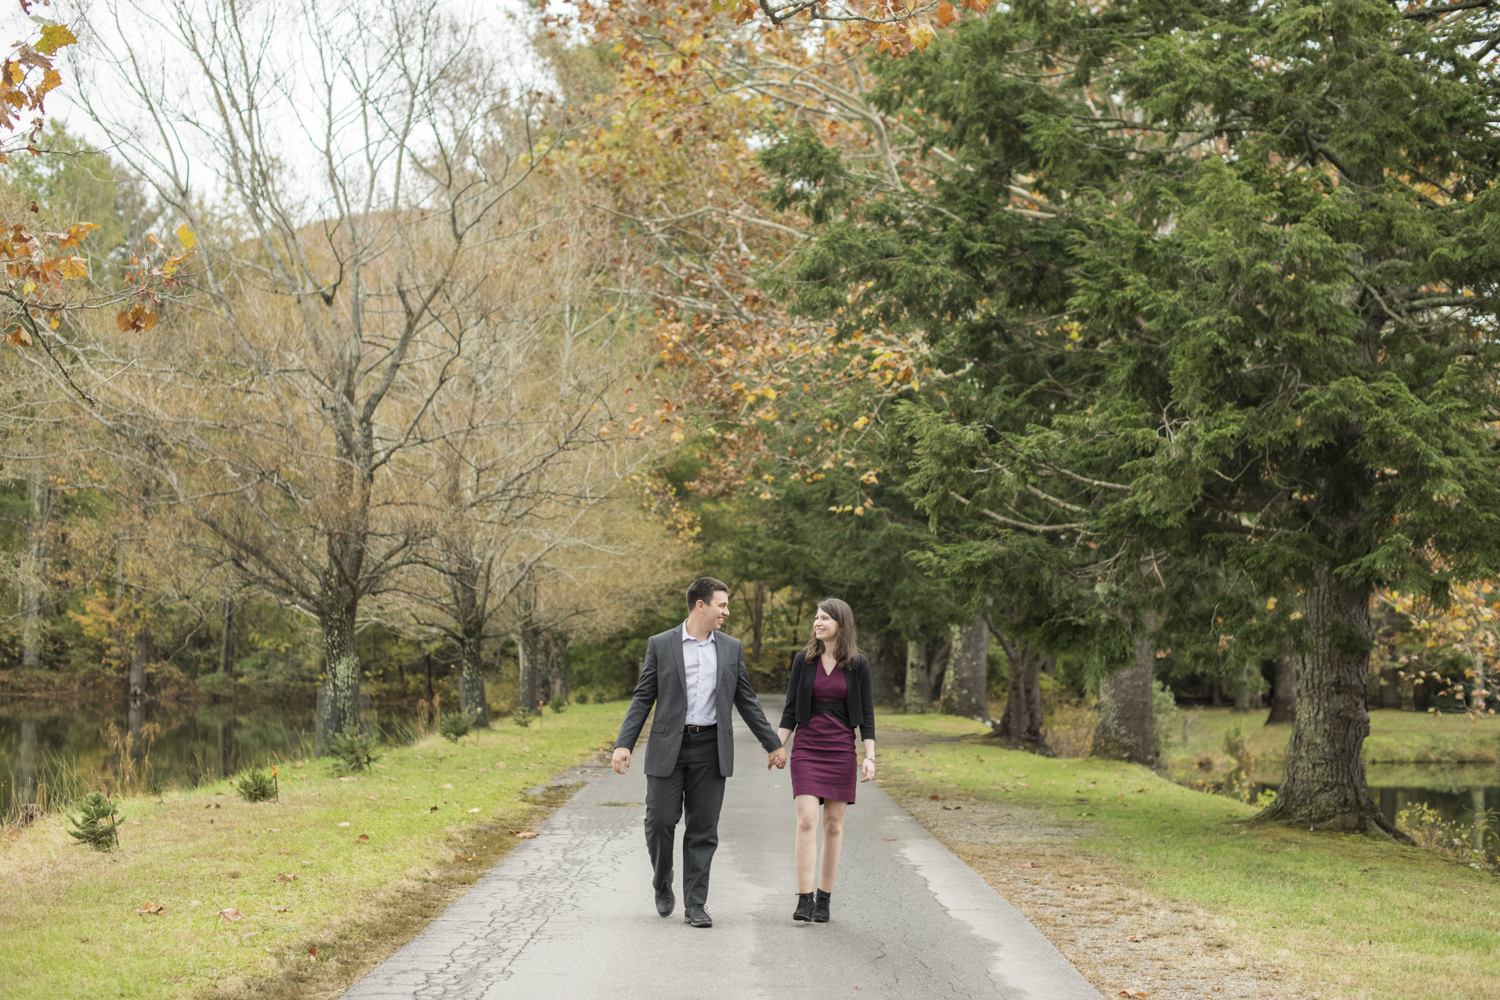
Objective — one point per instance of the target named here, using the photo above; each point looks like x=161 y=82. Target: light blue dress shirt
x=702 y=662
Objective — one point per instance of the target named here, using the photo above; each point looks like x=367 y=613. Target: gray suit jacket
x=664 y=683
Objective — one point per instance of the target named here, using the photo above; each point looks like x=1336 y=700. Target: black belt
x=838 y=709
x=700 y=729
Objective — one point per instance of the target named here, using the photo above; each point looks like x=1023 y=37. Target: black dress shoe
x=696 y=916
x=666 y=902
x=820 y=907
x=804 y=910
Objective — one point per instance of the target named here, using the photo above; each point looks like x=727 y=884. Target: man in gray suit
x=693 y=674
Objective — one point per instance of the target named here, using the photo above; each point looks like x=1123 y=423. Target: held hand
x=776 y=758
x=621 y=761
x=867 y=770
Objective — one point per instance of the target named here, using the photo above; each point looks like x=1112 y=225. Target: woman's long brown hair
x=846 y=644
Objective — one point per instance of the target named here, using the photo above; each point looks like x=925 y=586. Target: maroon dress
x=824 y=762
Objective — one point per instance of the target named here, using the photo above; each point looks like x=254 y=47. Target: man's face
x=716 y=610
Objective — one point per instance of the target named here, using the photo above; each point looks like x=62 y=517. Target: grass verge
x=288 y=898
x=1395 y=738
x=1320 y=914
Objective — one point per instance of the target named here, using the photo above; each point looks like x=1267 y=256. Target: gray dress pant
x=695 y=784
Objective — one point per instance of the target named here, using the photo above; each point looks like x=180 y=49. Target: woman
x=829 y=693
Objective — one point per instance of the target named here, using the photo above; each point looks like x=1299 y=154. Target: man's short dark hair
x=703 y=589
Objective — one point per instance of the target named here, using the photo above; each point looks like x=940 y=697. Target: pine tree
x=96 y=823
x=1214 y=287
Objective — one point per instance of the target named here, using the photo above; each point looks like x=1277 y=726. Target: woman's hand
x=867 y=769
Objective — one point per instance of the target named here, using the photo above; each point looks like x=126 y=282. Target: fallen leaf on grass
x=298 y=764
x=464 y=857
x=1203 y=856
x=1129 y=993
x=1369 y=869
x=1030 y=864
x=151 y=908
x=272 y=829
x=952 y=807
x=1075 y=887
x=433 y=809
x=281 y=909
x=521 y=836
x=312 y=954
x=230 y=913
x=343 y=824
x=445 y=786
x=473 y=810
x=284 y=877
x=283 y=852
x=934 y=797
x=372 y=796
x=1136 y=937
x=363 y=838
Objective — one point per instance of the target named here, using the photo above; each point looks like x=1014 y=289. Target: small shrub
x=255 y=785
x=353 y=751
x=96 y=823
x=1234 y=745
x=454 y=726
x=522 y=716
x=1163 y=713
x=558 y=704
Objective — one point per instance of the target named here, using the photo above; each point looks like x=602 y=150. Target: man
x=693 y=674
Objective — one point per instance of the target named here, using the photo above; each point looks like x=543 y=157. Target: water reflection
x=50 y=751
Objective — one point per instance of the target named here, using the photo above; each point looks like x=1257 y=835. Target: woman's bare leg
x=833 y=841
x=807 y=840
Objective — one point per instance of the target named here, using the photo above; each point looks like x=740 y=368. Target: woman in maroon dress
x=829 y=694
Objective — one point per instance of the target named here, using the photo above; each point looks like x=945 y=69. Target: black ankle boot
x=804 y=909
x=820 y=907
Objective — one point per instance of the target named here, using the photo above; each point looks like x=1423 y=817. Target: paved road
x=570 y=914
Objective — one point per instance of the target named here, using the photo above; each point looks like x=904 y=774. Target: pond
x=48 y=752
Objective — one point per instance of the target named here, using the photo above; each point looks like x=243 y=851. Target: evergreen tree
x=1213 y=288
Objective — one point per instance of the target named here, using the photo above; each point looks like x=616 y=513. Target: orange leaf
x=231 y=914
x=150 y=908
x=945 y=14
x=363 y=838
x=18 y=338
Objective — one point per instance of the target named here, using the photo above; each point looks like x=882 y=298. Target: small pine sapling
x=96 y=823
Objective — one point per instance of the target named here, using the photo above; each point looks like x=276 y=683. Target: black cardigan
x=860 y=700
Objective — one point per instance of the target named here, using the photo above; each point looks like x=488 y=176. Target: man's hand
x=621 y=762
x=776 y=758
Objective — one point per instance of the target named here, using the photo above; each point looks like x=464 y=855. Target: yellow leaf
x=73 y=267
x=54 y=37
x=187 y=236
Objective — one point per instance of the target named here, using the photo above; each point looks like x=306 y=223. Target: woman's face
x=824 y=627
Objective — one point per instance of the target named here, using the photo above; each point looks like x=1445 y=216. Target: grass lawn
x=1396 y=737
x=1337 y=915
x=350 y=867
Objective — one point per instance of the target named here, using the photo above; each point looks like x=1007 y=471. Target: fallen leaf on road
x=363 y=838
x=230 y=913
x=151 y=908
x=1136 y=937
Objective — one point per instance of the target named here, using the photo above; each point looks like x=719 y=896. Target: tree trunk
x=342 y=659
x=883 y=670
x=1022 y=719
x=1324 y=785
x=1284 y=692
x=140 y=655
x=471 y=698
x=532 y=653
x=34 y=572
x=757 y=620
x=1390 y=688
x=26 y=783
x=918 y=697
x=226 y=641
x=1125 y=730
x=966 y=681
